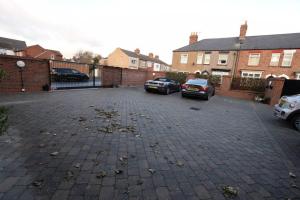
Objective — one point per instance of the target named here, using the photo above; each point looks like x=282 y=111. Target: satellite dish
x=20 y=64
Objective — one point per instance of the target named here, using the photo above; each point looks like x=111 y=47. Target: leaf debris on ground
x=230 y=192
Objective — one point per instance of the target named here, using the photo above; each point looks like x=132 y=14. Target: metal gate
x=290 y=87
x=71 y=75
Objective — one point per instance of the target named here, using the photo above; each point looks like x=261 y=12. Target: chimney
x=150 y=55
x=156 y=57
x=243 y=31
x=137 y=51
x=193 y=38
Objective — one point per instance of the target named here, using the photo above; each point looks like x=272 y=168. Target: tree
x=86 y=57
x=2 y=74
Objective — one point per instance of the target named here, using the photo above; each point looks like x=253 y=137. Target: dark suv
x=68 y=74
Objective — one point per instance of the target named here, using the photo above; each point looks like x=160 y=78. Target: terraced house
x=260 y=56
x=135 y=60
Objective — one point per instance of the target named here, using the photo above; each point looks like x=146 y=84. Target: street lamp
x=21 y=64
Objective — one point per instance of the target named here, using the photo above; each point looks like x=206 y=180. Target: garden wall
x=35 y=74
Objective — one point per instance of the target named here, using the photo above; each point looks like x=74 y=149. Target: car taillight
x=183 y=86
x=205 y=88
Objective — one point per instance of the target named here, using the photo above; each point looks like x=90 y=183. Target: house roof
x=39 y=46
x=263 y=42
x=11 y=44
x=143 y=57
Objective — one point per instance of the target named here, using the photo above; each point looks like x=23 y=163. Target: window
x=275 y=59
x=254 y=59
x=183 y=58
x=223 y=59
x=133 y=61
x=287 y=58
x=249 y=74
x=206 y=59
x=200 y=58
x=52 y=57
x=298 y=76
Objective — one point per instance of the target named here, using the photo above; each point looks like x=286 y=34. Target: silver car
x=288 y=108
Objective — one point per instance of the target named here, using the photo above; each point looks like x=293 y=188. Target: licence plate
x=192 y=89
x=150 y=86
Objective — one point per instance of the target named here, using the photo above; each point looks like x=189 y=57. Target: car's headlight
x=292 y=105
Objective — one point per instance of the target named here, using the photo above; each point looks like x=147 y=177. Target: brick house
x=260 y=56
x=36 y=51
x=134 y=60
x=10 y=46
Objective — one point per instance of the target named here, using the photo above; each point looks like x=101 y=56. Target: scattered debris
x=138 y=135
x=292 y=175
x=154 y=145
x=229 y=191
x=152 y=171
x=77 y=165
x=38 y=183
x=294 y=185
x=101 y=174
x=132 y=156
x=91 y=106
x=55 y=153
x=54 y=134
x=73 y=134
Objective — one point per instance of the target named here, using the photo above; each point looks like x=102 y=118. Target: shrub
x=253 y=84
x=213 y=79
x=3 y=119
x=177 y=76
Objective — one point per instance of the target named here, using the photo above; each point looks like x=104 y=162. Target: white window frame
x=298 y=76
x=199 y=58
x=52 y=56
x=287 y=58
x=224 y=58
x=206 y=59
x=275 y=59
x=251 y=61
x=251 y=74
x=184 y=58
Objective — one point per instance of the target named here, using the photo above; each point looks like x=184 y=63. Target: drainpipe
x=236 y=61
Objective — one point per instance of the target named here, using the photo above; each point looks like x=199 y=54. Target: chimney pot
x=137 y=51
x=193 y=38
x=151 y=55
x=156 y=57
x=243 y=31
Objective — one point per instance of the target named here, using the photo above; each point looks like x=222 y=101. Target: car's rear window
x=197 y=82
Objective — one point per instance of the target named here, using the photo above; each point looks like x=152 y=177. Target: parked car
x=198 y=88
x=68 y=74
x=288 y=108
x=163 y=85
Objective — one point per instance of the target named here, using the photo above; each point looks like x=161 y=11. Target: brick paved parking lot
x=124 y=143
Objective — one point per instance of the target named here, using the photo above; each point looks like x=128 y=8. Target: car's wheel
x=167 y=92
x=213 y=94
x=147 y=90
x=207 y=97
x=296 y=122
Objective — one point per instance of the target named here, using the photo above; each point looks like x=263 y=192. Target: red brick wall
x=82 y=67
x=127 y=77
x=274 y=92
x=264 y=63
x=225 y=90
x=35 y=74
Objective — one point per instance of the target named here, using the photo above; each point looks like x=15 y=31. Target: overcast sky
x=157 y=26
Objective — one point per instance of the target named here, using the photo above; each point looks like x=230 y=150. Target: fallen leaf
x=229 y=191
x=139 y=182
x=77 y=165
x=101 y=174
x=69 y=175
x=118 y=171
x=82 y=119
x=55 y=153
x=179 y=163
x=292 y=175
x=38 y=183
x=152 y=171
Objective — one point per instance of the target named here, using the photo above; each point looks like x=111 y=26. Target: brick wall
x=35 y=74
x=127 y=77
x=274 y=92
x=225 y=90
x=82 y=67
